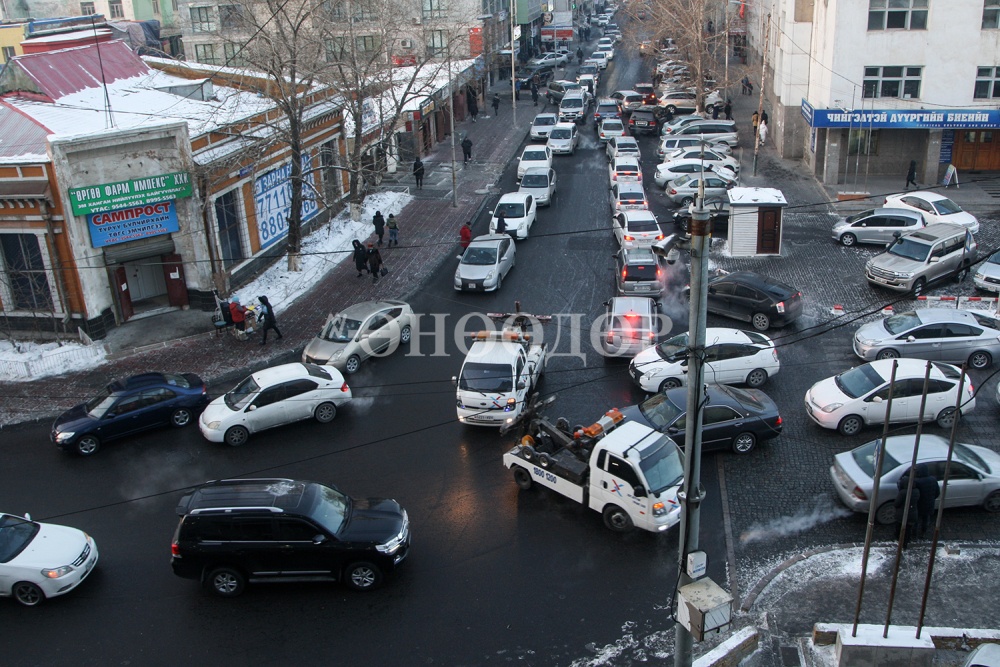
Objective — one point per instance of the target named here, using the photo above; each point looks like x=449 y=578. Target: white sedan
x=273 y=397
x=935 y=207
x=519 y=210
x=859 y=397
x=732 y=357
x=669 y=171
x=709 y=156
x=533 y=156
x=42 y=560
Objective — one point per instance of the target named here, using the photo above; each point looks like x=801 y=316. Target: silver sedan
x=939 y=334
x=358 y=332
x=485 y=263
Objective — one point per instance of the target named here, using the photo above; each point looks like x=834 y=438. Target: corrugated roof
x=23 y=138
x=55 y=74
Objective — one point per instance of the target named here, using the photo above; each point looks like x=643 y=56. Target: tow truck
x=628 y=472
x=499 y=373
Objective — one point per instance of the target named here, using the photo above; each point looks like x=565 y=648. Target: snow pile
x=20 y=360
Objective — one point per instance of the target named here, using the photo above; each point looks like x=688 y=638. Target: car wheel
x=544 y=460
x=887 y=353
x=669 y=383
x=760 y=321
x=992 y=502
x=962 y=274
x=617 y=519
x=848 y=239
x=353 y=364
x=686 y=201
x=671 y=108
x=885 y=515
x=237 y=435
x=918 y=286
x=850 y=425
x=404 y=335
x=362 y=576
x=946 y=418
x=226 y=582
x=756 y=378
x=522 y=478
x=980 y=359
x=88 y=445
x=325 y=412
x=744 y=443
x=499 y=282
x=181 y=417
x=28 y=594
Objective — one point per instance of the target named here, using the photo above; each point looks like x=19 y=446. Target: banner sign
x=902 y=119
x=135 y=192
x=272 y=195
x=132 y=224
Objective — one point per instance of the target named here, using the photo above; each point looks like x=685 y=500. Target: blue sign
x=133 y=223
x=947 y=146
x=272 y=195
x=902 y=119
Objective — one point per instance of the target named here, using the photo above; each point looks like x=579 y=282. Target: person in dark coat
x=418 y=173
x=929 y=492
x=374 y=262
x=496 y=103
x=763 y=117
x=534 y=94
x=899 y=504
x=729 y=109
x=501 y=227
x=360 y=257
x=379 y=223
x=715 y=112
x=579 y=54
x=466 y=150
x=473 y=108
x=911 y=175
x=266 y=320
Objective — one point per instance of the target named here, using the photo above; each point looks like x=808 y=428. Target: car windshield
x=660 y=411
x=561 y=133
x=570 y=103
x=969 y=457
x=545 y=120
x=662 y=464
x=331 y=509
x=480 y=256
x=100 y=404
x=612 y=126
x=340 y=329
x=241 y=395
x=897 y=324
x=987 y=321
x=511 y=210
x=864 y=456
x=534 y=156
x=176 y=380
x=673 y=349
x=946 y=207
x=15 y=534
x=607 y=108
x=535 y=180
x=910 y=249
x=859 y=381
x=681 y=181
x=482 y=377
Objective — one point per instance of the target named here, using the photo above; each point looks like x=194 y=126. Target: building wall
x=11 y=37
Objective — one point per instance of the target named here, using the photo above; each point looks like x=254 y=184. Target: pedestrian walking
x=473 y=108
x=501 y=226
x=517 y=90
x=929 y=492
x=360 y=257
x=496 y=103
x=266 y=320
x=374 y=262
x=466 y=149
x=745 y=83
x=579 y=54
x=763 y=116
x=899 y=505
x=379 y=223
x=418 y=173
x=715 y=112
x=911 y=175
x=465 y=235
x=749 y=87
x=393 y=228
x=728 y=109
x=534 y=94
x=755 y=122
x=238 y=314
x=763 y=132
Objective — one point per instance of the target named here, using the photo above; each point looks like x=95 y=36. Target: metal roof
x=22 y=136
x=55 y=74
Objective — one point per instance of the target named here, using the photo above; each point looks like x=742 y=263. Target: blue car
x=129 y=406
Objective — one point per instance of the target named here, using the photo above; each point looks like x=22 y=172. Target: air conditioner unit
x=406 y=43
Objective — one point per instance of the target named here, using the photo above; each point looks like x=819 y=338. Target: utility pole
x=760 y=99
x=451 y=106
x=513 y=81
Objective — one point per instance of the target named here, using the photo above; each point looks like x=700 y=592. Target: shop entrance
x=147 y=286
x=150 y=286
x=976 y=150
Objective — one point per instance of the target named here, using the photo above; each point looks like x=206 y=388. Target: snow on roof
x=55 y=74
x=75 y=36
x=23 y=139
x=756 y=197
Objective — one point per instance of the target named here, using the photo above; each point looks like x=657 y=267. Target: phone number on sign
x=273 y=203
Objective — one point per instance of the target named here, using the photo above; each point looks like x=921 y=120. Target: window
x=335 y=11
x=366 y=44
x=987 y=82
x=205 y=53
x=863 y=142
x=201 y=20
x=8 y=53
x=174 y=6
x=25 y=273
x=231 y=16
x=156 y=7
x=623 y=470
x=233 y=53
x=228 y=219
x=336 y=49
x=437 y=42
x=898 y=15
x=892 y=81
x=87 y=8
x=363 y=14
x=433 y=9
x=331 y=175
x=991 y=14
x=116 y=10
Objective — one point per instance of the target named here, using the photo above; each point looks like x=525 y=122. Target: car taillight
x=780 y=306
x=779 y=422
x=631 y=317
x=774 y=353
x=672 y=191
x=344 y=388
x=640 y=176
x=628 y=238
x=631 y=121
x=175 y=550
x=859 y=494
x=659 y=273
x=659 y=237
x=625 y=270
x=614 y=176
x=971 y=390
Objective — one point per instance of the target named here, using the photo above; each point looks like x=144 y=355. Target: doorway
x=769 y=231
x=147 y=286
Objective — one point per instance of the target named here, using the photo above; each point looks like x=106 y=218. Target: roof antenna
x=109 y=119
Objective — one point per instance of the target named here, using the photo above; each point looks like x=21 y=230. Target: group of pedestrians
x=923 y=497
x=264 y=314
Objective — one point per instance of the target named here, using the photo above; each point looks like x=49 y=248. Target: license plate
x=642 y=288
x=472 y=285
x=642 y=123
x=881 y=280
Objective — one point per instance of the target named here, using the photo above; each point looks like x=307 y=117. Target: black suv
x=643 y=120
x=237 y=531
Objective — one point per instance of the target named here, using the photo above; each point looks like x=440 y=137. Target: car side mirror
x=27 y=516
x=910 y=339
x=935 y=260
x=639 y=492
x=458 y=257
x=110 y=415
x=521 y=385
x=454 y=380
x=319 y=538
x=876 y=399
x=607 y=303
x=673 y=430
x=251 y=408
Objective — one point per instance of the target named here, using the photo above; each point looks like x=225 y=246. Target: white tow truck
x=500 y=371
x=628 y=472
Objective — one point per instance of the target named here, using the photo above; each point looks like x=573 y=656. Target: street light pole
x=451 y=106
x=513 y=81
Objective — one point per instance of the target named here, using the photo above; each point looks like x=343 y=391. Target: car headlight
x=832 y=407
x=64 y=436
x=337 y=355
x=57 y=572
x=659 y=509
x=980 y=275
x=867 y=343
x=214 y=426
x=904 y=274
x=489 y=276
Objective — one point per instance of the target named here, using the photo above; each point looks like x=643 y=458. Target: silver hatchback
x=877 y=225
x=939 y=334
x=629 y=326
x=367 y=329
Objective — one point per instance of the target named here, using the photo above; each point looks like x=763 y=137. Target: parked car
x=550 y=58
x=628 y=196
x=42 y=560
x=366 y=329
x=715 y=158
x=233 y=532
x=858 y=397
x=129 y=406
x=713 y=131
x=647 y=90
x=936 y=252
x=934 y=207
x=683 y=189
x=606 y=108
x=533 y=156
x=669 y=143
x=485 y=263
x=630 y=324
x=520 y=210
x=973 y=480
x=563 y=139
x=610 y=128
x=557 y=89
x=988 y=274
x=638 y=272
x=718 y=215
x=624 y=169
x=985 y=655
x=940 y=334
x=526 y=75
x=542 y=125
x=755 y=298
x=673 y=126
x=273 y=397
x=731 y=357
x=877 y=225
x=622 y=146
x=627 y=99
x=643 y=121
x=680 y=101
x=671 y=171
x=540 y=183
x=733 y=419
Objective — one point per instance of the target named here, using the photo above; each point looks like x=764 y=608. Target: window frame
x=205 y=21
x=433 y=9
x=230 y=230
x=991 y=15
x=437 y=42
x=912 y=17
x=987 y=76
x=39 y=282
x=84 y=6
x=907 y=80
x=116 y=9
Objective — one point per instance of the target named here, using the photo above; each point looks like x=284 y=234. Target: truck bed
x=566 y=474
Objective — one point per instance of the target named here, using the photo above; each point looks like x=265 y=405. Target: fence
x=39 y=362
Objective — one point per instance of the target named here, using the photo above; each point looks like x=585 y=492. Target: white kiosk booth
x=755 y=221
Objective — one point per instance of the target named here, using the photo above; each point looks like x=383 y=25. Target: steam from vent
x=823 y=512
